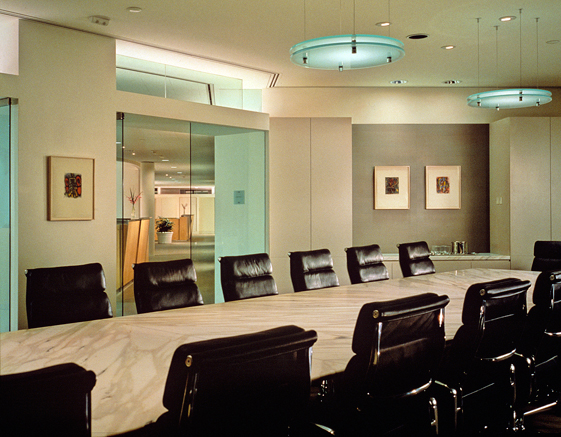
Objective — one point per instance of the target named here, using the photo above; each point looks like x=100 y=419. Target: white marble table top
x=131 y=355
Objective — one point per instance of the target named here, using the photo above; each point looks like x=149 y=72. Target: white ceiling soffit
x=9 y=45
x=252 y=78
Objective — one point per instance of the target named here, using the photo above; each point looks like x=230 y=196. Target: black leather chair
x=66 y=294
x=247 y=276
x=311 y=270
x=252 y=385
x=364 y=264
x=54 y=400
x=481 y=363
x=386 y=386
x=414 y=259
x=541 y=342
x=547 y=256
x=165 y=285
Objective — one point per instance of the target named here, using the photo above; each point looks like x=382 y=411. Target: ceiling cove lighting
x=346 y=52
x=512 y=98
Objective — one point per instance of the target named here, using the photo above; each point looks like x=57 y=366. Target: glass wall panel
x=120 y=213
x=160 y=80
x=153 y=172
x=202 y=209
x=192 y=174
x=8 y=216
x=241 y=217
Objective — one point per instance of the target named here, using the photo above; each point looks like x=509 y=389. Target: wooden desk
x=131 y=355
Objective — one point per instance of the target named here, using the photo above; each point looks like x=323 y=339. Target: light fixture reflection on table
x=347 y=52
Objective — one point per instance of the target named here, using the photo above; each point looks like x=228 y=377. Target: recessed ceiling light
x=507 y=18
x=417 y=36
x=383 y=23
x=165 y=160
x=451 y=82
x=398 y=82
x=448 y=47
x=134 y=9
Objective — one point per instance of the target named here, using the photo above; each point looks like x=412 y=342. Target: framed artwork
x=70 y=188
x=443 y=186
x=391 y=187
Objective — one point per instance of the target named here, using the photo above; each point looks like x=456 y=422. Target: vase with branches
x=133 y=198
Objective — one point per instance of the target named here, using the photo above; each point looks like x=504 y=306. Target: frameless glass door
x=8 y=216
x=209 y=180
x=240 y=206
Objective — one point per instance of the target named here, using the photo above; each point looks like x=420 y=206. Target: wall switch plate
x=239 y=197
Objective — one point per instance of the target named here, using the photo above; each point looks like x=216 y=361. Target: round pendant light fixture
x=511 y=98
x=347 y=52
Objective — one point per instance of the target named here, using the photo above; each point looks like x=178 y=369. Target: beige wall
x=66 y=88
x=310 y=183
x=416 y=146
x=499 y=186
x=525 y=160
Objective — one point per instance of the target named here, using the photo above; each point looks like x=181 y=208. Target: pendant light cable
x=537 y=54
x=340 y=17
x=497 y=55
x=478 y=55
x=305 y=35
x=520 y=64
x=354 y=17
x=389 y=19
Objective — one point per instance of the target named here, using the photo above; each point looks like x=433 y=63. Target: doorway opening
x=187 y=173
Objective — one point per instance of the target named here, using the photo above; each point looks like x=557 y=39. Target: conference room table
x=131 y=355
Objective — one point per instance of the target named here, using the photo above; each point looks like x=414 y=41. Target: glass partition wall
x=208 y=180
x=8 y=216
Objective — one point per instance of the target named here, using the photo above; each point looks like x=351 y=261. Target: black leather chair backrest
x=247 y=276
x=364 y=264
x=68 y=294
x=398 y=345
x=542 y=336
x=311 y=270
x=414 y=259
x=165 y=285
x=54 y=400
x=493 y=318
x=254 y=384
x=547 y=256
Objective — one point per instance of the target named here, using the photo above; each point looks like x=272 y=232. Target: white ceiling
x=257 y=35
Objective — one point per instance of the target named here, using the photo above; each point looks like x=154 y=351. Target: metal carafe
x=459 y=247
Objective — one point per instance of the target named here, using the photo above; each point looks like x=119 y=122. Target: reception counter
x=131 y=355
x=132 y=236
